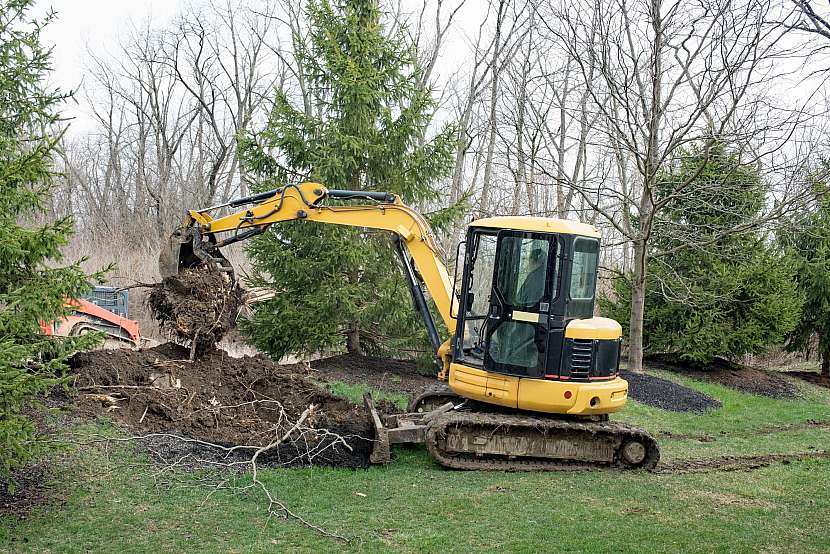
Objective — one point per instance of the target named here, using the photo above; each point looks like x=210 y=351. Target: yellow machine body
x=547 y=396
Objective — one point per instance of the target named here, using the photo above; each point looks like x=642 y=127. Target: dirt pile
x=729 y=374
x=661 y=393
x=197 y=306
x=813 y=377
x=221 y=400
x=389 y=375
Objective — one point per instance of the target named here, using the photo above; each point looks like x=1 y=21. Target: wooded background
x=574 y=109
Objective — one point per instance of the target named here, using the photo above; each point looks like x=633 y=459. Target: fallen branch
x=138 y=286
x=271 y=500
x=297 y=432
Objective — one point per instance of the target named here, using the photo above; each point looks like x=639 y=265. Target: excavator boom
x=201 y=237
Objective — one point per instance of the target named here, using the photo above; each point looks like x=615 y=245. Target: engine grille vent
x=582 y=353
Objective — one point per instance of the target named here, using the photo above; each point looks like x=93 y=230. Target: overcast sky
x=96 y=24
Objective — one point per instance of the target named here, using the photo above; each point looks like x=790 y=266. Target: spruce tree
x=34 y=287
x=717 y=293
x=809 y=246
x=363 y=127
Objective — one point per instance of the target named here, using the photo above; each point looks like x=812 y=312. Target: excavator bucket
x=175 y=256
x=186 y=249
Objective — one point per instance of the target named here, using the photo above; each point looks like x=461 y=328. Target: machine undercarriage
x=468 y=435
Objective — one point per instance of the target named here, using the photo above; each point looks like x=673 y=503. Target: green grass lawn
x=355 y=394
x=412 y=505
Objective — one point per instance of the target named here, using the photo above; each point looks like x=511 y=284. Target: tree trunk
x=484 y=201
x=353 y=340
x=638 y=301
x=825 y=364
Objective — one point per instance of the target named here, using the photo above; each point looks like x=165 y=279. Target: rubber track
x=438 y=429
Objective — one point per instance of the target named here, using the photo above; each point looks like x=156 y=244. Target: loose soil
x=811 y=377
x=760 y=432
x=661 y=393
x=388 y=375
x=197 y=306
x=220 y=400
x=729 y=374
x=737 y=463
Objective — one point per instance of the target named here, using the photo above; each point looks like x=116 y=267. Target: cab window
x=523 y=270
x=583 y=277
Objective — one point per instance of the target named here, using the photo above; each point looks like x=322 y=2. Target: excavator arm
x=201 y=237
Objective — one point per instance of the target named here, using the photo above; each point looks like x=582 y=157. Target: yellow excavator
x=529 y=374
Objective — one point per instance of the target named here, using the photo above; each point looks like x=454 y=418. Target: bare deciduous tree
x=663 y=76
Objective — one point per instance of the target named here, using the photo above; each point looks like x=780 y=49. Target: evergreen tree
x=810 y=247
x=363 y=128
x=716 y=293
x=33 y=289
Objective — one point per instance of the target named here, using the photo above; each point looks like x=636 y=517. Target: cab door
x=524 y=281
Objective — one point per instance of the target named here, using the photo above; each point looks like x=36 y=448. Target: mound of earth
x=811 y=377
x=729 y=374
x=197 y=306
x=661 y=393
x=388 y=375
x=221 y=400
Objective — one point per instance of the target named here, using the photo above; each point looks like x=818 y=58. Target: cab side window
x=583 y=277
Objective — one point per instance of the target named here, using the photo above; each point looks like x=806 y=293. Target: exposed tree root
x=240 y=458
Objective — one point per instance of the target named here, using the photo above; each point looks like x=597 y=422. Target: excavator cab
x=525 y=319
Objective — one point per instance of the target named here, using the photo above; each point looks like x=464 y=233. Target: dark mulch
x=30 y=490
x=729 y=374
x=388 y=375
x=811 y=377
x=661 y=393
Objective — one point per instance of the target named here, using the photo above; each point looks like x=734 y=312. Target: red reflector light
x=567 y=394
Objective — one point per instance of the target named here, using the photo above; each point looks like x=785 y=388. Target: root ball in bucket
x=197 y=306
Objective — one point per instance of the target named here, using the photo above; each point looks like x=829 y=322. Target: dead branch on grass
x=310 y=443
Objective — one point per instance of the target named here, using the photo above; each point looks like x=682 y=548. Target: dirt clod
x=197 y=306
x=221 y=400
